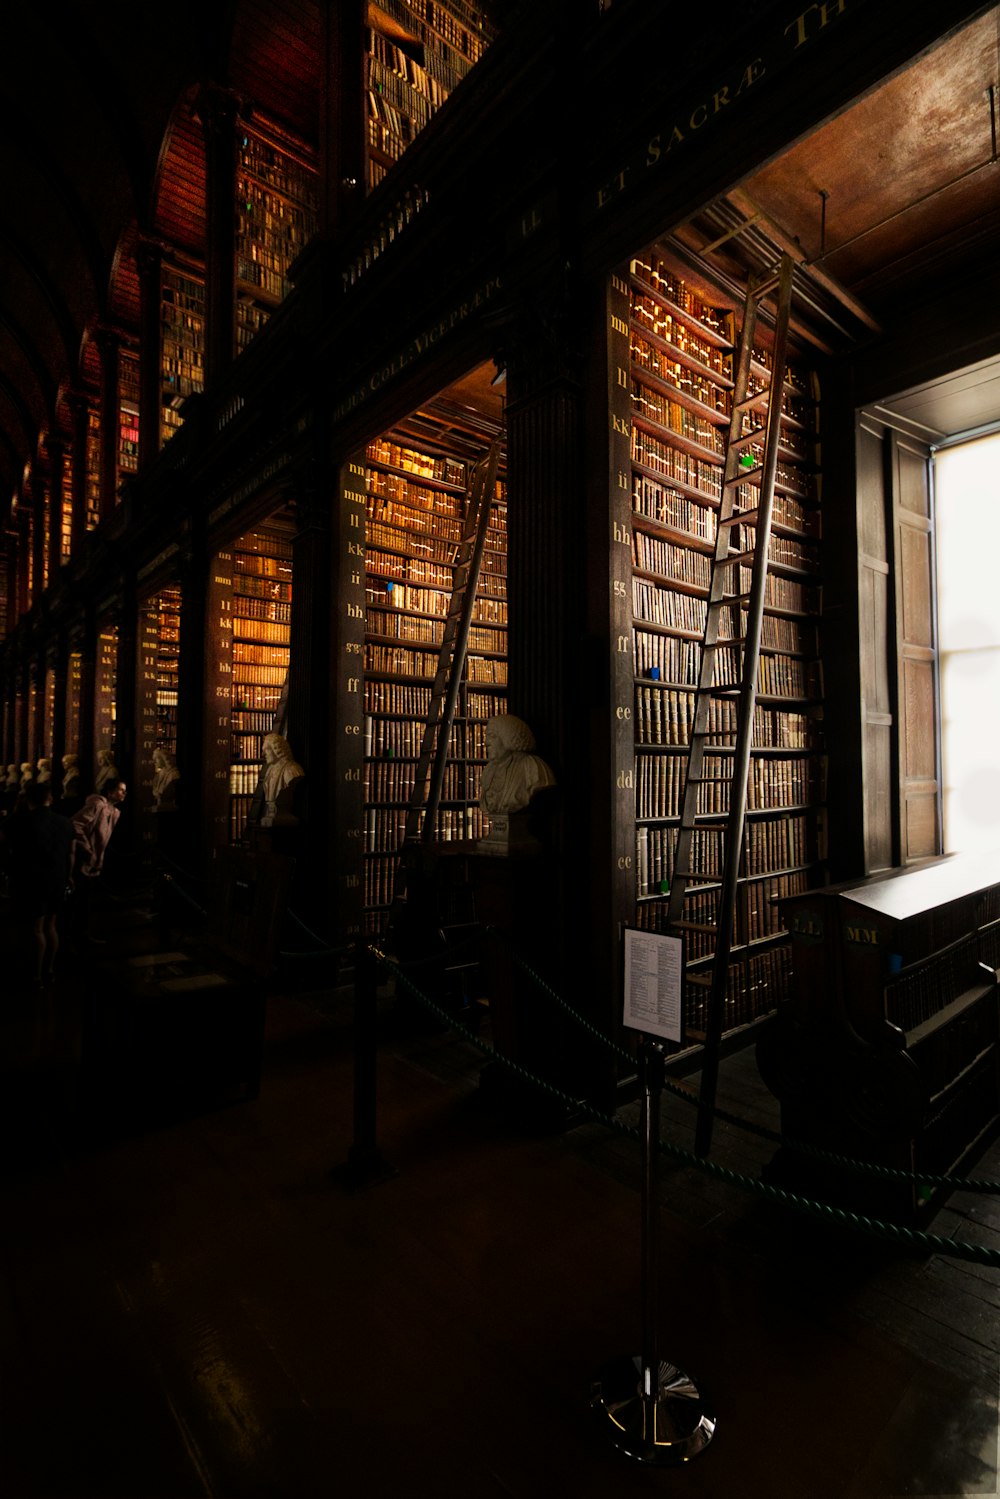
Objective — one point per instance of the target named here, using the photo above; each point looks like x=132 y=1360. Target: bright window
x=967 y=502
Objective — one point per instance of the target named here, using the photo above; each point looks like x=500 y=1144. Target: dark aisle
x=197 y=1309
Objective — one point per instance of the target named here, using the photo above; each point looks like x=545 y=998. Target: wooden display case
x=887 y=1048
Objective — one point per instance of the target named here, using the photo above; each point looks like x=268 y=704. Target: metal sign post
x=655 y=1410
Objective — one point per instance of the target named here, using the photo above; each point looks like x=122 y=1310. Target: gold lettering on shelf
x=625 y=780
x=618 y=324
x=621 y=425
x=354 y=684
x=619 y=588
x=620 y=533
x=623 y=714
x=621 y=376
x=802 y=23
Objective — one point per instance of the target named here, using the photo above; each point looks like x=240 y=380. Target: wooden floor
x=198 y=1307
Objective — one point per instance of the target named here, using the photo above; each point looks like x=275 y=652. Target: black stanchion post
x=655 y=1411
x=365 y=1163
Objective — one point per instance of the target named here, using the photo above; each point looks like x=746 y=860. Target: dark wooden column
x=125 y=696
x=149 y=263
x=219 y=112
x=308 y=691
x=342 y=121
x=109 y=343
x=23 y=556
x=88 y=688
x=79 y=405
x=192 y=709
x=38 y=536
x=57 y=467
x=555 y=654
x=36 y=729
x=60 y=670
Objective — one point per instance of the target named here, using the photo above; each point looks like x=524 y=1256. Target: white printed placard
x=653 y=971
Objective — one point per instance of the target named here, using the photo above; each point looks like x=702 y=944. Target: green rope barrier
x=976 y=1185
x=827 y=1212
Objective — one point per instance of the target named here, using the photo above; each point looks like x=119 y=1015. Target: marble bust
x=281 y=770
x=106 y=768
x=513 y=772
x=165 y=778
x=44 y=768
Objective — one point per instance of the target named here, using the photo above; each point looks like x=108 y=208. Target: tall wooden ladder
x=730 y=660
x=425 y=798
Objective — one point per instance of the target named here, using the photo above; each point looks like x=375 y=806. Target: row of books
x=924 y=990
x=258 y=676
x=664 y=606
x=757 y=983
x=273 y=630
x=412 y=701
x=700 y=474
x=251 y=612
x=668 y=286
x=279 y=170
x=680 y=564
x=432 y=601
x=392 y=512
x=771 y=846
x=654 y=407
x=252 y=654
x=247 y=746
x=396 y=455
x=689 y=381
x=413 y=495
x=243 y=778
x=772 y=785
x=251 y=722
x=664 y=716
x=255 y=566
x=397 y=538
x=650 y=314
x=388 y=782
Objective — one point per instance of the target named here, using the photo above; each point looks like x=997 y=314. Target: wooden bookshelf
x=889 y=1043
x=93 y=449
x=680 y=347
x=128 y=415
x=261 y=630
x=66 y=513
x=74 y=700
x=105 y=689
x=182 y=342
x=415 y=54
x=277 y=215
x=415 y=498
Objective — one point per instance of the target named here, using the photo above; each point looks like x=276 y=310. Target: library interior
x=506 y=492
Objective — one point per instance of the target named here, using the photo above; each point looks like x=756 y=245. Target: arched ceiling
x=99 y=143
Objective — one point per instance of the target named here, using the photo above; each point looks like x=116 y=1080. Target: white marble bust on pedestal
x=281 y=769
x=512 y=777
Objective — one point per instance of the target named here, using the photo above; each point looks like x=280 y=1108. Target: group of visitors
x=53 y=863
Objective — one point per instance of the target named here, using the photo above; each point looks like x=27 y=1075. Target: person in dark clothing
x=41 y=857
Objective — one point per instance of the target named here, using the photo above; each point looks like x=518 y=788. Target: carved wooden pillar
x=149 y=263
x=36 y=727
x=219 y=112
